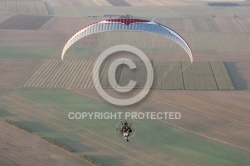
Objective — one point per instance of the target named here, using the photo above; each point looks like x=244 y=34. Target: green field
x=45 y=112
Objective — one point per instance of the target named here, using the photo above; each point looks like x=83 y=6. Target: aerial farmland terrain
x=38 y=90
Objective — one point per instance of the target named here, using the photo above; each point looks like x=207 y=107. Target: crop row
x=173 y=75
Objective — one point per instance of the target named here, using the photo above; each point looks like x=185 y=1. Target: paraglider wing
x=128 y=25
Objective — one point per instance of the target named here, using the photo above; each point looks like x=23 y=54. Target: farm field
x=49 y=42
x=79 y=8
x=35 y=7
x=42 y=52
x=240 y=74
x=142 y=8
x=38 y=90
x=49 y=118
x=21 y=148
x=24 y=22
x=208 y=37
x=215 y=115
x=14 y=73
x=81 y=3
x=145 y=12
x=77 y=74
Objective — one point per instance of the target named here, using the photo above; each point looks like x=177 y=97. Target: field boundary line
x=203 y=135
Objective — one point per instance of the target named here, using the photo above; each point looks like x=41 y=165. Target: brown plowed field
x=14 y=73
x=24 y=22
x=21 y=148
x=35 y=7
